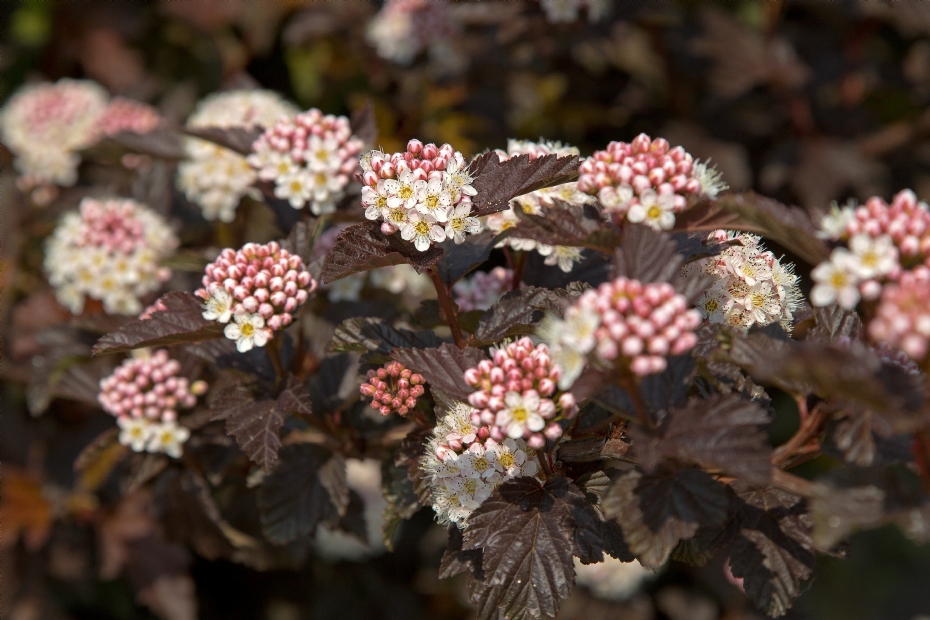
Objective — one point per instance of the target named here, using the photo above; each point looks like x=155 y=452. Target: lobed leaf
x=456 y=560
x=364 y=247
x=377 y=339
x=516 y=310
x=182 y=322
x=443 y=367
x=460 y=259
x=569 y=225
x=497 y=182
x=237 y=139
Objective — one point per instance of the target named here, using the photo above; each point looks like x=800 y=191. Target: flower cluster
x=144 y=395
x=882 y=240
x=424 y=192
x=752 y=287
x=46 y=124
x=902 y=319
x=515 y=395
x=258 y=287
x=535 y=203
x=622 y=322
x=214 y=177
x=647 y=182
x=127 y=115
x=393 y=389
x=464 y=464
x=404 y=28
x=612 y=580
x=566 y=11
x=110 y=250
x=482 y=290
x=310 y=158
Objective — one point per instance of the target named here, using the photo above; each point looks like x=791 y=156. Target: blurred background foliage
x=805 y=102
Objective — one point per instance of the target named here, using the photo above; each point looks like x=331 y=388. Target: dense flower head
x=516 y=394
x=109 y=250
x=752 y=286
x=128 y=115
x=214 y=177
x=424 y=192
x=612 y=580
x=534 y=203
x=46 y=124
x=464 y=464
x=646 y=181
x=624 y=322
x=902 y=319
x=482 y=290
x=404 y=28
x=393 y=389
x=255 y=290
x=144 y=394
x=311 y=159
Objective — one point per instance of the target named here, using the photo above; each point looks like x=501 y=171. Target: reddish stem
x=447 y=307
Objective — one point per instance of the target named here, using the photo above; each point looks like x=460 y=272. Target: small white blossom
x=167 y=437
x=654 y=210
x=836 y=281
x=460 y=222
x=296 y=189
x=422 y=229
x=521 y=413
x=218 y=306
x=833 y=224
x=875 y=257
x=247 y=330
x=564 y=256
x=433 y=199
x=134 y=432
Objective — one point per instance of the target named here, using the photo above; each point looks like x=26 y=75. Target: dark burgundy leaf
x=694 y=246
x=834 y=323
x=294 y=398
x=497 y=182
x=364 y=125
x=569 y=225
x=332 y=476
x=528 y=535
x=377 y=339
x=460 y=259
x=254 y=424
x=670 y=387
x=164 y=142
x=456 y=560
x=516 y=309
x=443 y=367
x=327 y=383
x=293 y=499
x=647 y=255
x=238 y=139
x=81 y=382
x=722 y=431
x=656 y=511
x=190 y=516
x=353 y=521
x=300 y=240
x=363 y=247
x=182 y=322
x=402 y=496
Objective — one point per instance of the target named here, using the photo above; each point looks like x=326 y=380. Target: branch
x=447 y=307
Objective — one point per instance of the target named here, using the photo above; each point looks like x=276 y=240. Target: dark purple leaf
x=516 y=310
x=569 y=225
x=182 y=322
x=647 y=255
x=459 y=260
x=442 y=367
x=164 y=142
x=456 y=560
x=363 y=247
x=377 y=339
x=238 y=139
x=497 y=182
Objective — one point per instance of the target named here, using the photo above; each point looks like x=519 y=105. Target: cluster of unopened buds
x=646 y=181
x=464 y=464
x=216 y=178
x=258 y=288
x=516 y=394
x=424 y=192
x=393 y=389
x=110 y=250
x=535 y=203
x=622 y=323
x=311 y=159
x=902 y=319
x=882 y=241
x=752 y=286
x=482 y=290
x=130 y=116
x=144 y=395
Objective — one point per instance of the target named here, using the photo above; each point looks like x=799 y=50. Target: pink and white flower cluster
x=646 y=181
x=624 y=323
x=882 y=240
x=258 y=287
x=110 y=250
x=128 y=115
x=464 y=464
x=424 y=192
x=144 y=395
x=393 y=389
x=902 y=319
x=752 y=287
x=310 y=157
x=214 y=177
x=482 y=290
x=516 y=394
x=535 y=203
x=404 y=28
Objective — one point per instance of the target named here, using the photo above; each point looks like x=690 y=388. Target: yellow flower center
x=838 y=279
x=397 y=216
x=406 y=192
x=422 y=228
x=506 y=460
x=870 y=259
x=520 y=414
x=711 y=305
x=296 y=185
x=507 y=224
x=457 y=223
x=382 y=202
x=320 y=178
x=322 y=154
x=471 y=486
x=167 y=437
x=654 y=212
x=481 y=463
x=248 y=330
x=431 y=202
x=136 y=432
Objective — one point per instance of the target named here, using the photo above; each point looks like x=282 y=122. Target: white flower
x=167 y=437
x=457 y=180
x=375 y=200
x=833 y=224
x=322 y=155
x=763 y=304
x=714 y=305
x=654 y=210
x=247 y=330
x=134 y=432
x=564 y=256
x=874 y=256
x=422 y=229
x=433 y=199
x=511 y=460
x=748 y=270
x=296 y=189
x=836 y=281
x=710 y=179
x=461 y=222
x=615 y=198
x=405 y=193
x=218 y=306
x=521 y=413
